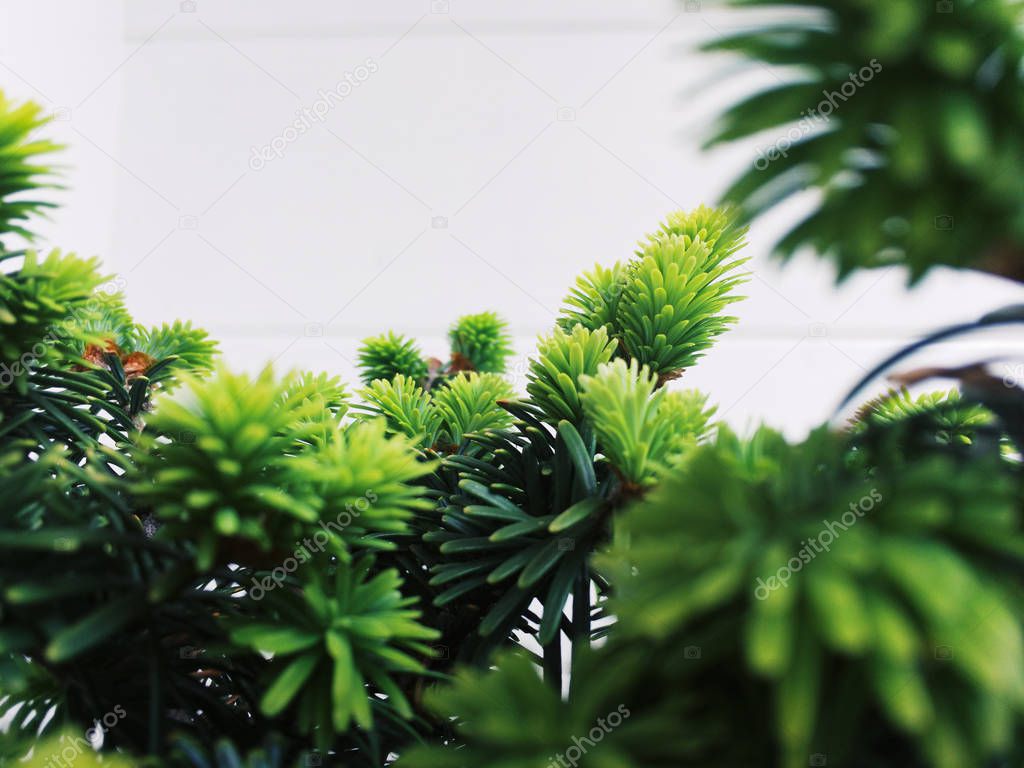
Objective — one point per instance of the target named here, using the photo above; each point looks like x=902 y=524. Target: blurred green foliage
x=905 y=118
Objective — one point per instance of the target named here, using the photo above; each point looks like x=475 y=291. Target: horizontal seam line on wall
x=136 y=34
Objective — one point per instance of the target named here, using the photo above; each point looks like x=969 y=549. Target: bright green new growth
x=266 y=460
x=640 y=429
x=223 y=464
x=687 y=413
x=562 y=358
x=440 y=419
x=329 y=391
x=478 y=343
x=594 y=299
x=344 y=633
x=676 y=289
x=44 y=306
x=469 y=404
x=663 y=307
x=191 y=347
x=364 y=482
x=407 y=409
x=70 y=373
x=323 y=399
x=958 y=421
x=482 y=340
x=908 y=128
x=390 y=355
x=714 y=226
x=20 y=172
x=103 y=320
x=81 y=327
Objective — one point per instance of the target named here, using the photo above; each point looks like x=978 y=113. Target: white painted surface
x=333 y=241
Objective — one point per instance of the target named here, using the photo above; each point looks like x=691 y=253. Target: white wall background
x=162 y=102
